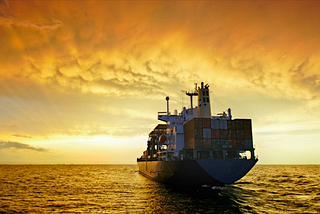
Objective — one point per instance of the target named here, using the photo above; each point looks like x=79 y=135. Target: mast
x=191 y=94
x=168 y=112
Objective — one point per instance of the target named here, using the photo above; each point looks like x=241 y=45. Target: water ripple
x=121 y=189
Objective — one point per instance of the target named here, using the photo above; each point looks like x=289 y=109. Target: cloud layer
x=96 y=68
x=121 y=49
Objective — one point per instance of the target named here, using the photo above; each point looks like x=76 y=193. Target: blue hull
x=196 y=172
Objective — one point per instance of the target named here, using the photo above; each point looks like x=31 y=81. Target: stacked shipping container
x=218 y=133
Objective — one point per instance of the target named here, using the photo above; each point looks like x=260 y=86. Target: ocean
x=121 y=189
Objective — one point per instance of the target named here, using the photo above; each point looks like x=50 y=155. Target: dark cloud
x=19 y=135
x=52 y=25
x=8 y=18
x=23 y=146
x=4 y=3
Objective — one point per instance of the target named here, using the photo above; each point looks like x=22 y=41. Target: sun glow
x=82 y=83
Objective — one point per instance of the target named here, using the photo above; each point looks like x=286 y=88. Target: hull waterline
x=196 y=172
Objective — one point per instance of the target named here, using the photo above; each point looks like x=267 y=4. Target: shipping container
x=192 y=124
x=206 y=143
x=240 y=134
x=188 y=126
x=215 y=143
x=231 y=124
x=192 y=137
x=247 y=134
x=215 y=124
x=198 y=143
x=206 y=133
x=240 y=144
x=198 y=122
x=188 y=135
x=189 y=143
x=223 y=124
x=218 y=143
x=198 y=133
x=239 y=123
x=223 y=133
x=247 y=124
x=248 y=143
x=232 y=134
x=215 y=133
x=223 y=141
x=232 y=142
x=206 y=122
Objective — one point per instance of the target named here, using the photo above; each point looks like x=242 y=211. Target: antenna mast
x=190 y=94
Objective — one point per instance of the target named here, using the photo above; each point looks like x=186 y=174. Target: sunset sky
x=82 y=81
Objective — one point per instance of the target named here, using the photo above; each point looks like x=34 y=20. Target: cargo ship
x=195 y=148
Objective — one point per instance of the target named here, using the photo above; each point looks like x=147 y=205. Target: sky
x=81 y=82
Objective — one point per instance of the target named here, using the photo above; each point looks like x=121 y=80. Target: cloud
x=19 y=135
x=53 y=24
x=131 y=52
x=9 y=18
x=4 y=3
x=23 y=146
x=123 y=50
x=122 y=76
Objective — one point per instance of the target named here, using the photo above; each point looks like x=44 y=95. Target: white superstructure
x=175 y=133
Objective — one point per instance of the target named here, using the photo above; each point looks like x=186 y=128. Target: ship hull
x=196 y=172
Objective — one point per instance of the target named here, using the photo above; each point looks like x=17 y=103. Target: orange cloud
x=116 y=50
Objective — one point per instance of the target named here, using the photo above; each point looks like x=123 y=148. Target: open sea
x=121 y=189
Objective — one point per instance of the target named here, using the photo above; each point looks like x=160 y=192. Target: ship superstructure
x=193 y=147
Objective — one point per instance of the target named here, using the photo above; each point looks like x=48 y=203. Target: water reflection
x=121 y=189
x=163 y=198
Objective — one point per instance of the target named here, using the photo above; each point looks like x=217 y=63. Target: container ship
x=194 y=148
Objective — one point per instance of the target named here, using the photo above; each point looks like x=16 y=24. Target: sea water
x=121 y=189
